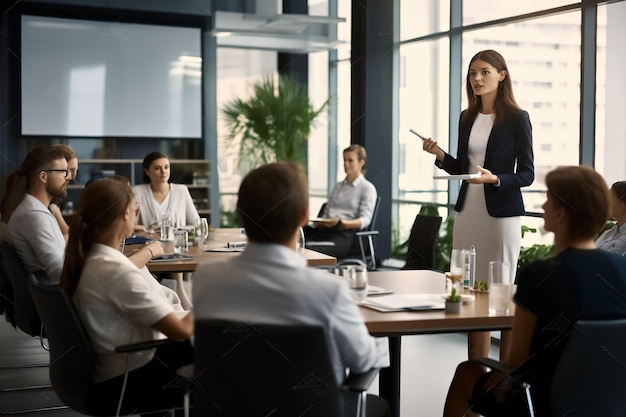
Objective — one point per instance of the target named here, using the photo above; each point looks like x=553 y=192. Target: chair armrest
x=148 y=344
x=367 y=233
x=495 y=365
x=362 y=381
x=313 y=243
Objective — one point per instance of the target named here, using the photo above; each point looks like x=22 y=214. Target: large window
x=610 y=138
x=545 y=55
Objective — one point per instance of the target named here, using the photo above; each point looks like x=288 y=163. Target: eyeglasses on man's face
x=65 y=172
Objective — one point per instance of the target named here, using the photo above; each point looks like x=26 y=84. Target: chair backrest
x=24 y=310
x=590 y=376
x=71 y=357
x=421 y=246
x=372 y=225
x=277 y=370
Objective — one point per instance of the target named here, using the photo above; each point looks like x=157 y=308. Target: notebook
x=405 y=302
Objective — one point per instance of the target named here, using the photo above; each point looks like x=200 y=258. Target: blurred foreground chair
x=72 y=358
x=590 y=376
x=277 y=370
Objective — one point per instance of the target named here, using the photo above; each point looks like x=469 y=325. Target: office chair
x=24 y=310
x=279 y=370
x=590 y=376
x=72 y=358
x=421 y=245
x=363 y=244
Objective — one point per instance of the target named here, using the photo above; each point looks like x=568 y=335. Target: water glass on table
x=500 y=287
x=181 y=241
x=356 y=275
x=202 y=229
x=457 y=266
x=167 y=227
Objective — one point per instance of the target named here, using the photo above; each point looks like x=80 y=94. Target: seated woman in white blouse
x=158 y=196
x=118 y=304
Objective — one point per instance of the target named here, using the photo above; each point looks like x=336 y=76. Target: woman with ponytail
x=117 y=304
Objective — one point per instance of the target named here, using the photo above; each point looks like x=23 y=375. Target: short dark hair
x=620 y=190
x=584 y=194
x=271 y=201
x=147 y=161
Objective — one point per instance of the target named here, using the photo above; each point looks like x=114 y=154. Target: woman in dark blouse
x=580 y=282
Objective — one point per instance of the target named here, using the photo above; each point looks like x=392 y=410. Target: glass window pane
x=344 y=116
x=423 y=95
x=610 y=97
x=545 y=70
x=237 y=70
x=317 y=147
x=344 y=30
x=419 y=18
x=476 y=11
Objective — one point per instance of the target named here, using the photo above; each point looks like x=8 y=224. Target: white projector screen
x=86 y=78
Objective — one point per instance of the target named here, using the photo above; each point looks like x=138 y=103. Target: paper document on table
x=405 y=302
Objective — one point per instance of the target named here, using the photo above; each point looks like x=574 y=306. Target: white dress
x=495 y=238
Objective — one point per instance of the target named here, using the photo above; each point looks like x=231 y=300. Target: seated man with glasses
x=32 y=229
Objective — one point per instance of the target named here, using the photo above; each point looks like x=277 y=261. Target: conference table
x=474 y=315
x=215 y=248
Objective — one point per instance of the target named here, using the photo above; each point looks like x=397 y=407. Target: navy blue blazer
x=509 y=155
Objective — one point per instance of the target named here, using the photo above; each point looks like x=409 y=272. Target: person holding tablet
x=349 y=209
x=495 y=140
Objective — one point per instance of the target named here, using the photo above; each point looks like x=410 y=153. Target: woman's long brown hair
x=504 y=104
x=103 y=202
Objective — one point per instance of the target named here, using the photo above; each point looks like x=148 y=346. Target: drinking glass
x=167 y=228
x=500 y=287
x=181 y=241
x=356 y=275
x=457 y=266
x=202 y=228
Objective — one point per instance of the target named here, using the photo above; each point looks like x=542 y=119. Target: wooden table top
x=474 y=315
x=219 y=239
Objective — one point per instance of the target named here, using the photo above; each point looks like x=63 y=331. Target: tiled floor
x=428 y=363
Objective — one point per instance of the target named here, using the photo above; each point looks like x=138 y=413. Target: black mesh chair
x=277 y=370
x=72 y=358
x=421 y=245
x=590 y=376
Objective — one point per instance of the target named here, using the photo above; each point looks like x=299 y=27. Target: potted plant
x=453 y=302
x=273 y=124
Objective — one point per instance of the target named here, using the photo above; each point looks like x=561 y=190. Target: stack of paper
x=405 y=302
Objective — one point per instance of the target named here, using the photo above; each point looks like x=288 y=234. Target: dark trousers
x=145 y=385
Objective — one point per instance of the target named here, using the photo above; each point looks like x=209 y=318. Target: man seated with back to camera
x=273 y=205
x=349 y=208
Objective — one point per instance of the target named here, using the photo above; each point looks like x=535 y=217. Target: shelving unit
x=194 y=173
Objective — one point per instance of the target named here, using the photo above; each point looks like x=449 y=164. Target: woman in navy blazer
x=495 y=140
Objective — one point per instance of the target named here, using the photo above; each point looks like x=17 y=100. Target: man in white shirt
x=271 y=283
x=32 y=229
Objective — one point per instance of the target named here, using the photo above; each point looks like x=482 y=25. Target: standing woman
x=495 y=140
x=117 y=305
x=158 y=196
